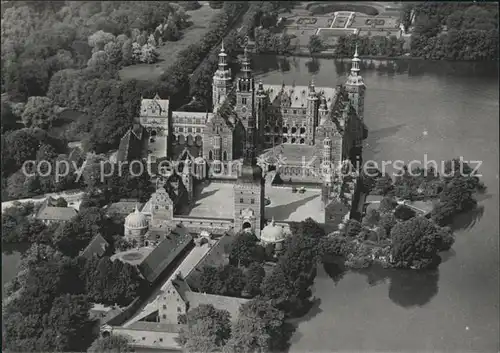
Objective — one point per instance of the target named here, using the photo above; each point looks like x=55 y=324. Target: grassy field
x=168 y=52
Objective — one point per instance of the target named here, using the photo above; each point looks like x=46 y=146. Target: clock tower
x=249 y=188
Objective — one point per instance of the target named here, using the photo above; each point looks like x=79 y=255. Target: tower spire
x=355 y=62
x=245 y=64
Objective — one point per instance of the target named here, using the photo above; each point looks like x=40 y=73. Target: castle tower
x=249 y=188
x=260 y=114
x=187 y=178
x=221 y=81
x=327 y=171
x=322 y=111
x=217 y=147
x=245 y=92
x=217 y=166
x=356 y=88
x=312 y=114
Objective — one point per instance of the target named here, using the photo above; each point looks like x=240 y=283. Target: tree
x=216 y=4
x=61 y=202
x=149 y=54
x=207 y=329
x=127 y=52
x=8 y=117
x=114 y=53
x=38 y=253
x=404 y=212
x=387 y=222
x=353 y=228
x=372 y=218
x=39 y=112
x=99 y=39
x=152 y=40
x=315 y=44
x=416 y=243
x=307 y=228
x=260 y=328
x=99 y=60
x=253 y=279
x=70 y=317
x=383 y=185
x=191 y=5
x=242 y=250
x=111 y=344
x=387 y=205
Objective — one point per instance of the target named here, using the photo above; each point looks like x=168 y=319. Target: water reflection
x=313 y=66
x=407 y=288
x=411 y=67
x=467 y=220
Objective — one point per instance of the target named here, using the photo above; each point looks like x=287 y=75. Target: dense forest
x=59 y=55
x=453 y=30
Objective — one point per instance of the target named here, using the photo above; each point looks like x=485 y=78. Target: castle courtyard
x=216 y=201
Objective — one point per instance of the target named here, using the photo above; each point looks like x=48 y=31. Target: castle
x=256 y=132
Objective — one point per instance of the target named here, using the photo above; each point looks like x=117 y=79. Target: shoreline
x=330 y=55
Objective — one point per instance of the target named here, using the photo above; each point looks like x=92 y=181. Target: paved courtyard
x=293 y=207
x=216 y=201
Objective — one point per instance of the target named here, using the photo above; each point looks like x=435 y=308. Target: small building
x=165 y=254
x=51 y=214
x=97 y=247
x=123 y=208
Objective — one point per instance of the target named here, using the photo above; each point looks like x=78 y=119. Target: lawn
x=168 y=52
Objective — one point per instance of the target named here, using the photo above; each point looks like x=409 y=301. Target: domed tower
x=273 y=235
x=222 y=83
x=356 y=88
x=136 y=225
x=249 y=188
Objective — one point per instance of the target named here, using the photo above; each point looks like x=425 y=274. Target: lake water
x=456 y=307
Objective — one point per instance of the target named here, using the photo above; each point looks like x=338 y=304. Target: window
x=286 y=111
x=164 y=307
x=243 y=101
x=179 y=310
x=190 y=129
x=181 y=129
x=294 y=111
x=198 y=129
x=241 y=200
x=252 y=201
